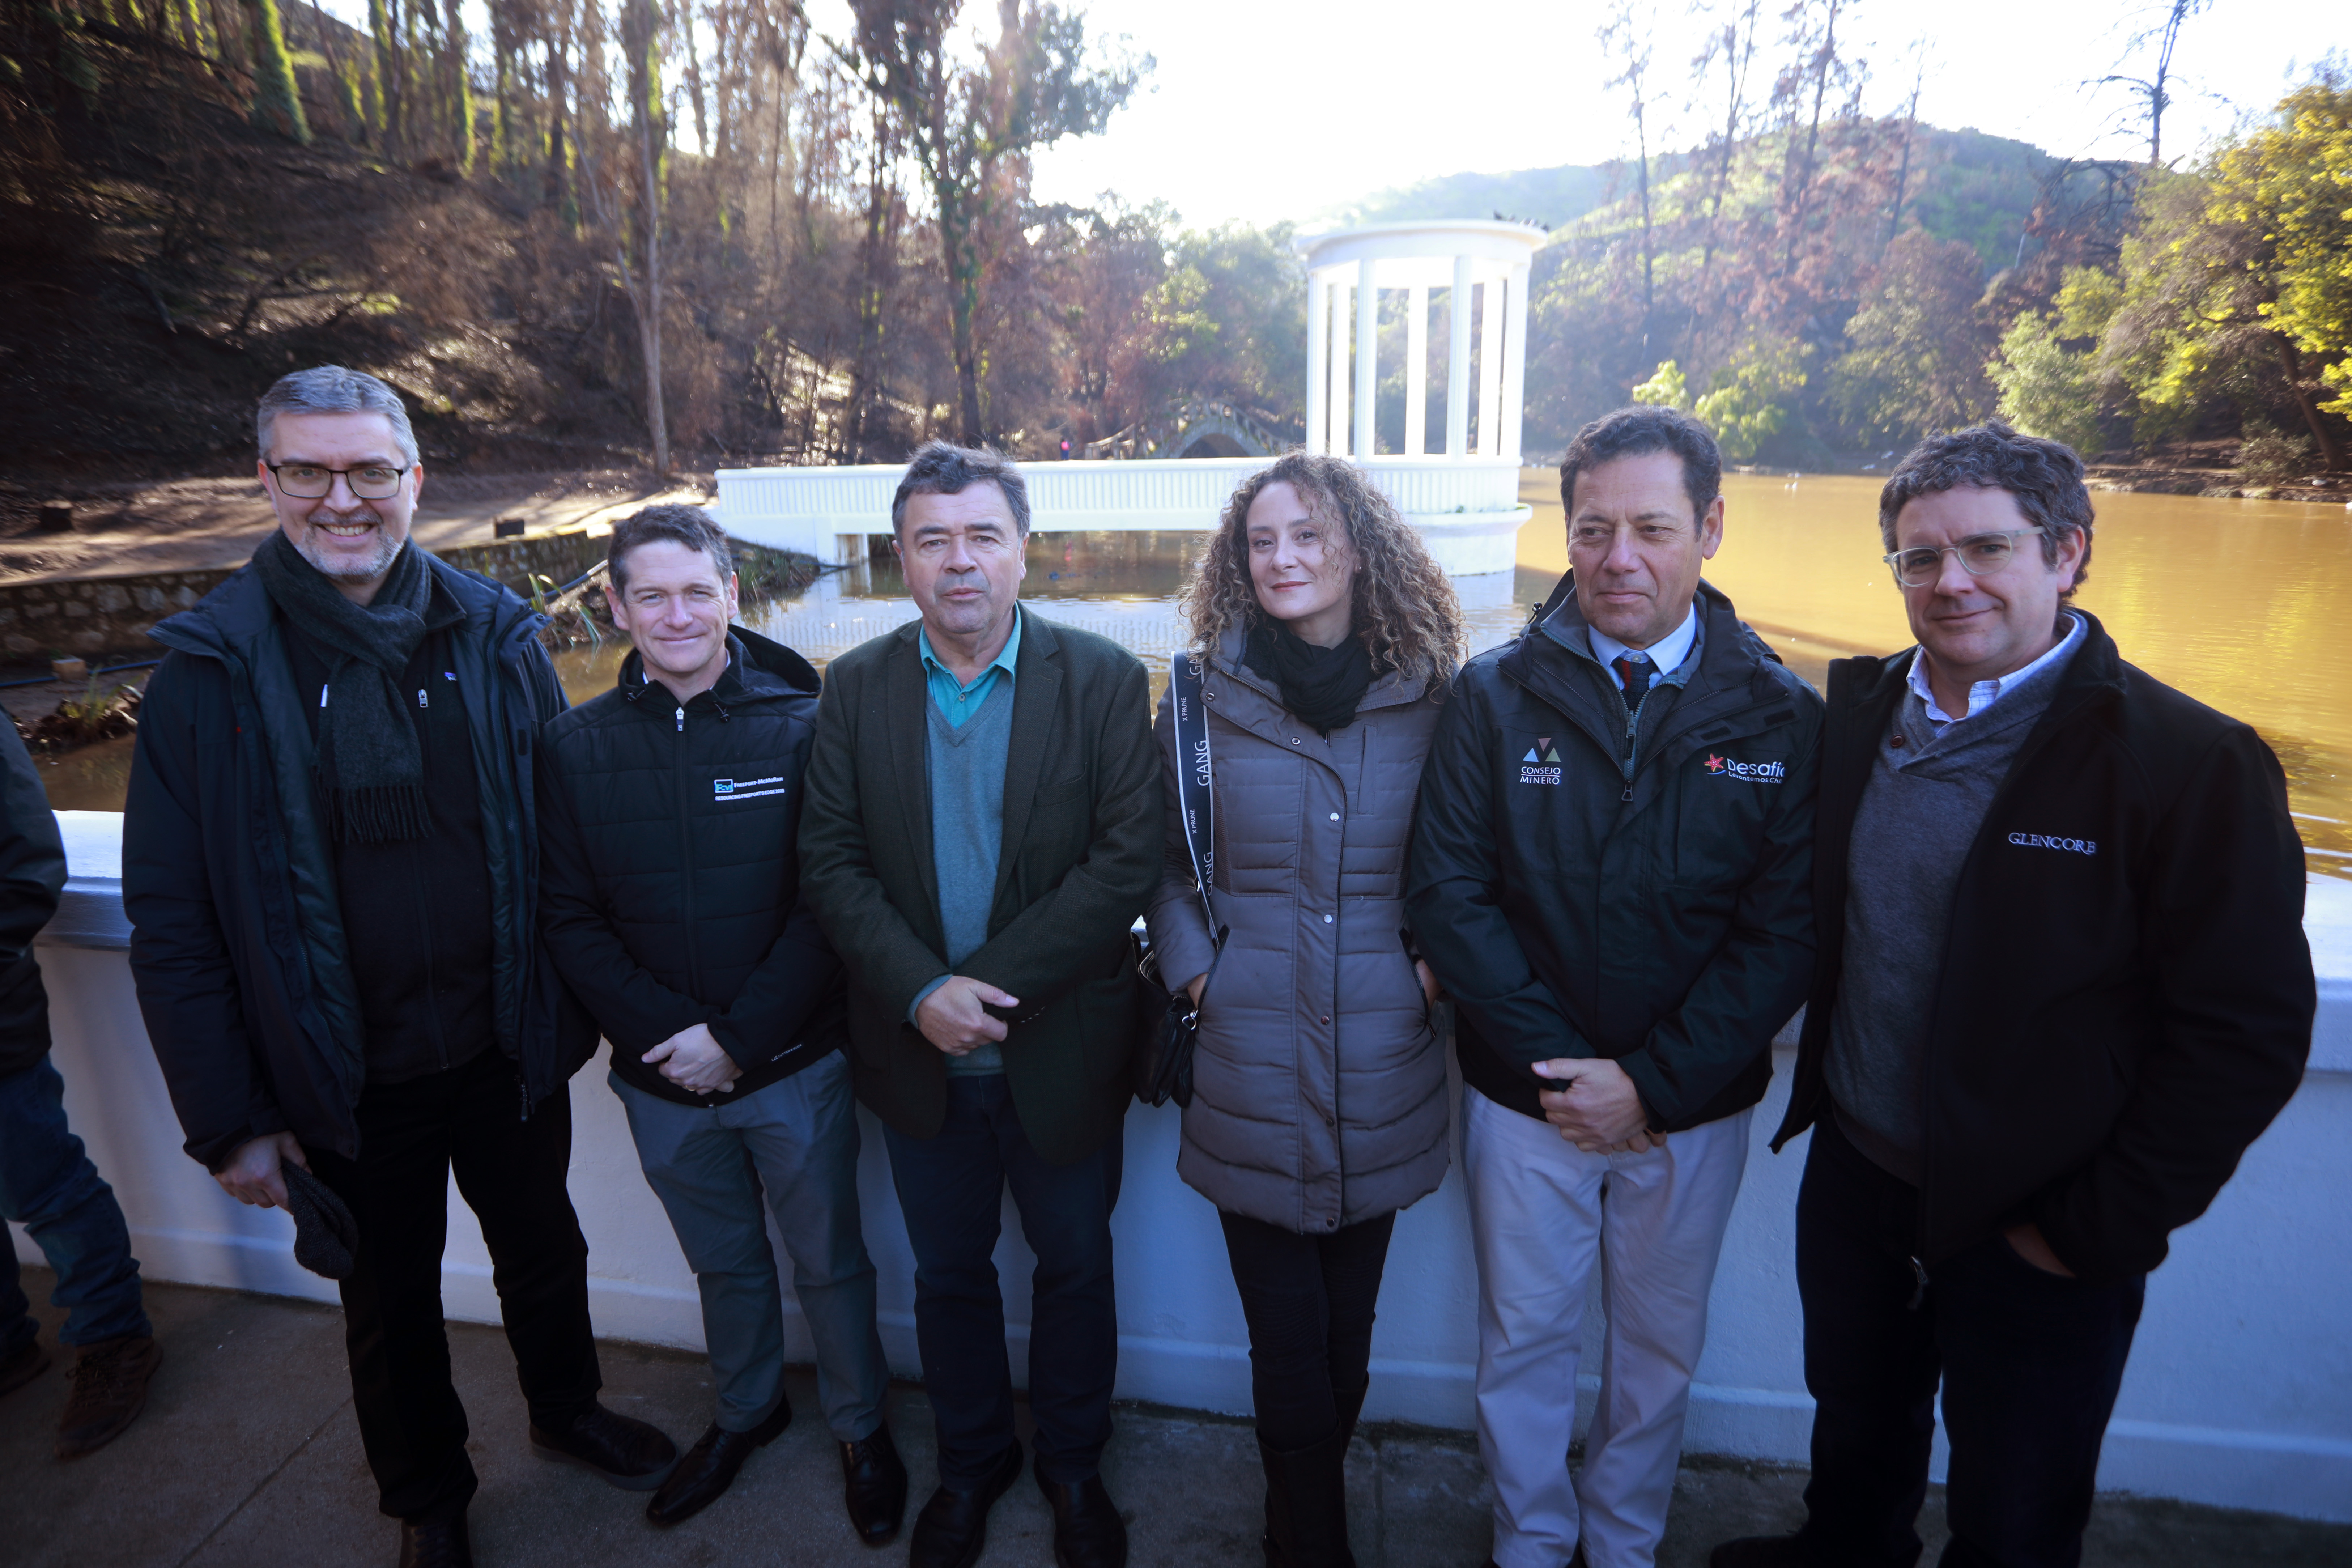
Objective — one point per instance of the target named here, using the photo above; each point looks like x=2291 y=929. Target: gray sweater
x=1929 y=791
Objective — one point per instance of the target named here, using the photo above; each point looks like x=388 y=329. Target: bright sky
x=1265 y=110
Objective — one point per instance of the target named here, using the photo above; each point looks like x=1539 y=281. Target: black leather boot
x=438 y=1542
x=1307 y=1504
x=1087 y=1531
x=709 y=1466
x=619 y=1450
x=952 y=1530
x=874 y=1484
x=1350 y=1397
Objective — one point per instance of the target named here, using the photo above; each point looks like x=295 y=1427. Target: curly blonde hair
x=1404 y=609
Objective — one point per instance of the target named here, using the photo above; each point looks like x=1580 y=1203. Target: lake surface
x=2228 y=600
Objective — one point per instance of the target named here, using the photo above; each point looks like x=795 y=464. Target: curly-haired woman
x=1327 y=636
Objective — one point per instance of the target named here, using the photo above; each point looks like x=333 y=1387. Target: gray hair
x=2044 y=478
x=942 y=470
x=331 y=389
x=680 y=524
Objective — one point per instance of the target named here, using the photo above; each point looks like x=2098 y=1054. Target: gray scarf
x=371 y=770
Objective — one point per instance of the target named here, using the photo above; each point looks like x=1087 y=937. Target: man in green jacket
x=981 y=828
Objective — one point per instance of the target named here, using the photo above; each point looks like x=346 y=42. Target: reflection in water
x=2227 y=600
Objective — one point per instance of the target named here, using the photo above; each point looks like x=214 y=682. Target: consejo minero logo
x=1541 y=765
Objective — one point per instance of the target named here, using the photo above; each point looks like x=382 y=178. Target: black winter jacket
x=2127 y=996
x=237 y=943
x=1653 y=909
x=32 y=875
x=671 y=895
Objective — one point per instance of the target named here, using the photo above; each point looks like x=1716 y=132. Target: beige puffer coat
x=1319 y=1085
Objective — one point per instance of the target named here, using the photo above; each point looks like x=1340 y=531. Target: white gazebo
x=1464 y=500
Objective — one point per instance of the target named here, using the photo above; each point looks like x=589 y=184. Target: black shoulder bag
x=1163 y=1056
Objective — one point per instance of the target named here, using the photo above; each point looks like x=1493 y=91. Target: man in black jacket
x=47 y=1183
x=2063 y=984
x=331 y=863
x=671 y=901
x=1610 y=873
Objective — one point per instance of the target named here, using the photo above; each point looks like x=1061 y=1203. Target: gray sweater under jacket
x=1930 y=789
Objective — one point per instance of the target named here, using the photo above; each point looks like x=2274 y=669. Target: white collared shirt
x=1666 y=654
x=1983 y=694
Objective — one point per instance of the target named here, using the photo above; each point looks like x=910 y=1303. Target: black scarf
x=371 y=770
x=1320 y=686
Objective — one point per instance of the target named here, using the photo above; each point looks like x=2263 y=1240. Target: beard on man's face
x=317 y=547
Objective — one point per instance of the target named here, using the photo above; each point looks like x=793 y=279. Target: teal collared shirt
x=957 y=703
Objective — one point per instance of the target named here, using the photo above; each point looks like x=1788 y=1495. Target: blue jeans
x=797 y=1139
x=48 y=1186
x=951 y=1186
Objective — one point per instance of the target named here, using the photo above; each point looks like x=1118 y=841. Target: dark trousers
x=951 y=1188
x=2030 y=1363
x=511 y=1174
x=48 y=1186
x=1308 y=1301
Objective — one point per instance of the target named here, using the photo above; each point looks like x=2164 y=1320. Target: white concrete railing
x=1467 y=508
x=2238 y=1394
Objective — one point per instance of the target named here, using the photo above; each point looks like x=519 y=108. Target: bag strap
x=1195 y=797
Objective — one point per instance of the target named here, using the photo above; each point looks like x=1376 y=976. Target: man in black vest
x=668 y=809
x=330 y=862
x=2063 y=984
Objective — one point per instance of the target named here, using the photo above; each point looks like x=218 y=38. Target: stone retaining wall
x=83 y=617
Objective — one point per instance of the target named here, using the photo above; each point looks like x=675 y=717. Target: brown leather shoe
x=110 y=1389
x=23 y=1367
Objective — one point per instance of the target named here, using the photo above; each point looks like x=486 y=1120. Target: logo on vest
x=2050 y=841
x=746 y=789
x=1541 y=765
x=1752 y=773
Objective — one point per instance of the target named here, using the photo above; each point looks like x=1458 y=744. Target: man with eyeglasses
x=330 y=867
x=2061 y=984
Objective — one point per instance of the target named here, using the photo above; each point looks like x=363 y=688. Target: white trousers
x=1542 y=1211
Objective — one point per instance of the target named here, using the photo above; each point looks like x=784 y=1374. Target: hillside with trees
x=678 y=234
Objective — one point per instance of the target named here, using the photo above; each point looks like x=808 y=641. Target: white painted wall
x=2240 y=1389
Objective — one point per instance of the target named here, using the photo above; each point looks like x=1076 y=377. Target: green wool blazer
x=1079 y=858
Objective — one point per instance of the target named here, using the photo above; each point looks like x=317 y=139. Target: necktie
x=1636 y=674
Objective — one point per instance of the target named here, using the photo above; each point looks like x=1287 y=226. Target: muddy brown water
x=2235 y=602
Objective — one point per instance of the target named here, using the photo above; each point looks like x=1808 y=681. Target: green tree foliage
x=1918 y=354
x=2046 y=371
x=1753 y=398
x=1667 y=387
x=2291 y=181
x=277 y=102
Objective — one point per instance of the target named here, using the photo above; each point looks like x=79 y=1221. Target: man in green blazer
x=981 y=827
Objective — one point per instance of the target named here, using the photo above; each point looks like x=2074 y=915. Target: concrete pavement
x=248 y=1456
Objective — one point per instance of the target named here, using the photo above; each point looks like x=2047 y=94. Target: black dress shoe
x=1087 y=1531
x=874 y=1483
x=619 y=1449
x=709 y=1466
x=436 y=1543
x=952 y=1530
x=1761 y=1552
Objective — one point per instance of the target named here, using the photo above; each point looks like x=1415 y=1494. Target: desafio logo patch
x=1751 y=773
x=1541 y=765
x=746 y=789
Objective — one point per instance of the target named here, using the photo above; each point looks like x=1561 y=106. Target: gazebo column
x=1490 y=368
x=1337 y=373
x=1514 y=359
x=1368 y=324
x=1457 y=362
x=1417 y=371
x=1319 y=351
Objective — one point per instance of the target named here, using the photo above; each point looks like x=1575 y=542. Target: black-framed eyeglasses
x=1981 y=555
x=309 y=481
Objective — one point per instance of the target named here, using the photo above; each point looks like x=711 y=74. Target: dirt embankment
x=197 y=524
